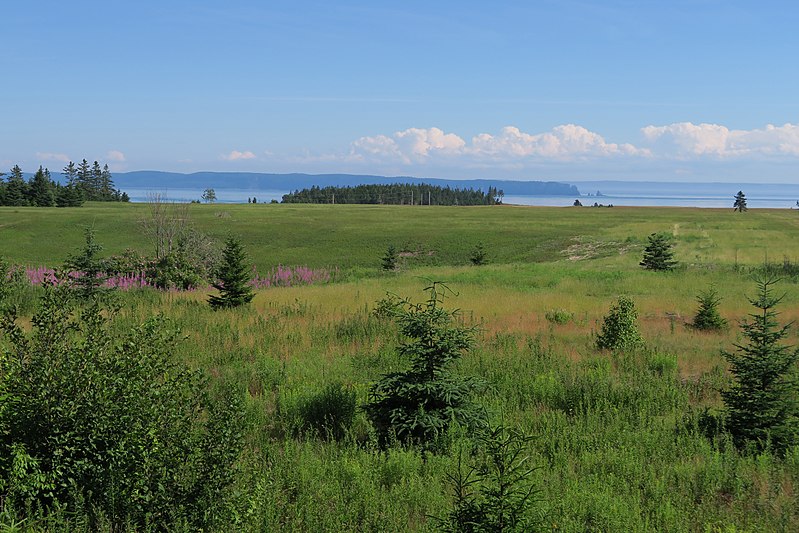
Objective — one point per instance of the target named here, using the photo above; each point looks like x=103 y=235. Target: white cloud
x=235 y=155
x=49 y=156
x=686 y=140
x=511 y=145
x=568 y=141
x=115 y=155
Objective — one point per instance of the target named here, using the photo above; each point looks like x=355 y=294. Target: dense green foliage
x=83 y=182
x=419 y=404
x=233 y=277
x=707 y=317
x=478 y=257
x=620 y=327
x=394 y=193
x=107 y=425
x=658 y=254
x=762 y=407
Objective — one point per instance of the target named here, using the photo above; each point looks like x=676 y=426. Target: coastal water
x=710 y=195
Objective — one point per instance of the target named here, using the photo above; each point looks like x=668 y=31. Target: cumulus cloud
x=50 y=156
x=510 y=144
x=562 y=142
x=235 y=155
x=115 y=155
x=686 y=140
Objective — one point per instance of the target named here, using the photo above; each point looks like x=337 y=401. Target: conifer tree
x=418 y=405
x=84 y=180
x=707 y=316
x=16 y=189
x=740 y=202
x=233 y=277
x=389 y=262
x=41 y=189
x=658 y=254
x=762 y=402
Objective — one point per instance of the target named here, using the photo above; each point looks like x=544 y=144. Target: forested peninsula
x=396 y=194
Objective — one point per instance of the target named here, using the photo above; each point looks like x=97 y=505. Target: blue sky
x=684 y=91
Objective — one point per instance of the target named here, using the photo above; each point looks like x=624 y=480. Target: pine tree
x=84 y=180
x=418 y=405
x=762 y=402
x=233 y=277
x=87 y=269
x=390 y=259
x=16 y=192
x=740 y=202
x=106 y=185
x=658 y=254
x=41 y=189
x=707 y=316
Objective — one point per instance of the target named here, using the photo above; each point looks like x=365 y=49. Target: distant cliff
x=292 y=182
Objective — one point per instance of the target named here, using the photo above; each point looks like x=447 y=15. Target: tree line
x=82 y=182
x=395 y=194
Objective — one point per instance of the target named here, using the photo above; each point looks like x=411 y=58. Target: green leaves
x=109 y=422
x=620 y=327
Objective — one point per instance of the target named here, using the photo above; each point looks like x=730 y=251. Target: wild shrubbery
x=107 y=425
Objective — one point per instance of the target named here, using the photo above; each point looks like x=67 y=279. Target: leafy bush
x=330 y=412
x=762 y=405
x=419 y=404
x=559 y=316
x=478 y=256
x=707 y=317
x=620 y=327
x=107 y=424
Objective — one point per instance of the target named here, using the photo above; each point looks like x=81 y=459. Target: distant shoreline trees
x=395 y=194
x=82 y=182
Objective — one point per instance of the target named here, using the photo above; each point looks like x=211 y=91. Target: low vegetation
x=536 y=398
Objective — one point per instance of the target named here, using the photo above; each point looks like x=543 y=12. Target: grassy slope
x=615 y=450
x=356 y=236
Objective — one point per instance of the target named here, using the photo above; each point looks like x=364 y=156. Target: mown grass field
x=616 y=436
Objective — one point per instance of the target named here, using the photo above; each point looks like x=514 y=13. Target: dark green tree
x=41 y=189
x=707 y=316
x=740 y=202
x=84 y=180
x=233 y=277
x=16 y=193
x=389 y=261
x=659 y=253
x=762 y=401
x=418 y=405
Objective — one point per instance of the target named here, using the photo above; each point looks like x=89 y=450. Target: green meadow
x=617 y=438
